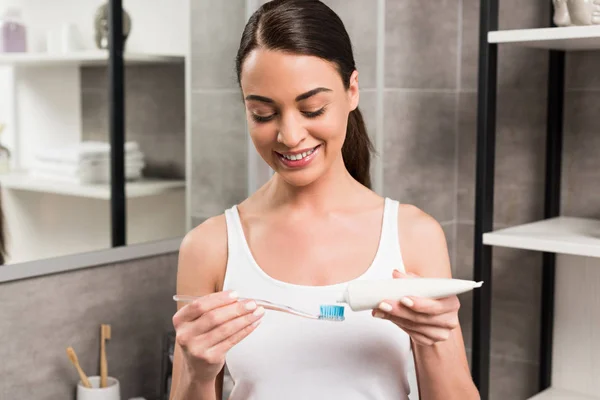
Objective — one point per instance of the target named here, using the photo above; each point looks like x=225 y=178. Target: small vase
x=561 y=13
x=101 y=26
x=584 y=12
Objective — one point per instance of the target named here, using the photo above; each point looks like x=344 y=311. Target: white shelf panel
x=91 y=57
x=135 y=189
x=564 y=235
x=560 y=394
x=560 y=38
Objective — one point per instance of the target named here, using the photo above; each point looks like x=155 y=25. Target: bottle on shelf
x=13 y=33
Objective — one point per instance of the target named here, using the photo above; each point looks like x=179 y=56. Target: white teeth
x=295 y=157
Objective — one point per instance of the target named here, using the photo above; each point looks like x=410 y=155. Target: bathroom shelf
x=563 y=38
x=560 y=394
x=135 y=189
x=570 y=263
x=91 y=57
x=564 y=235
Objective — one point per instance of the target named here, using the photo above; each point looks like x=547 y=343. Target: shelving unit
x=568 y=367
x=83 y=58
x=564 y=235
x=563 y=38
x=44 y=106
x=134 y=189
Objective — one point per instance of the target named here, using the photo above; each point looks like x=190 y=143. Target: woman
x=313 y=227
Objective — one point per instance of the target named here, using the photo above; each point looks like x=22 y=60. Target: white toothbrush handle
x=266 y=304
x=366 y=295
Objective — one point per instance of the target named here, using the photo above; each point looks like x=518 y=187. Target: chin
x=300 y=178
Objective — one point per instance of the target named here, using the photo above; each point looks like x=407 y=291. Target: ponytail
x=357 y=149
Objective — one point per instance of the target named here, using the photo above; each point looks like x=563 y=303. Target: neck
x=332 y=189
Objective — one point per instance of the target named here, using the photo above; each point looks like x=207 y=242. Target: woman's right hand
x=207 y=328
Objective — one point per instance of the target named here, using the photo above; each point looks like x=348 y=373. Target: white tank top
x=293 y=358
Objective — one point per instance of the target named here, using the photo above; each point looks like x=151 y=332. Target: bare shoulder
x=423 y=243
x=417 y=225
x=203 y=258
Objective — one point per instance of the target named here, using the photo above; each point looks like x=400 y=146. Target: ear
x=353 y=92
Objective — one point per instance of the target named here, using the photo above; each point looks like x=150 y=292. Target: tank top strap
x=391 y=254
x=235 y=234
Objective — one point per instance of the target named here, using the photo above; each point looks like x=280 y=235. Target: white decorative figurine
x=576 y=12
x=561 y=13
x=584 y=12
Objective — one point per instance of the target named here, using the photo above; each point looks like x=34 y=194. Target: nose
x=291 y=132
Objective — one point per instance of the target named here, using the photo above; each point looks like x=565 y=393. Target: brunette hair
x=309 y=27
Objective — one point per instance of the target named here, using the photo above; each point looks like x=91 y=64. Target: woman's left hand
x=427 y=321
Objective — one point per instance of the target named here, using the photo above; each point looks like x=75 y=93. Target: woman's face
x=297 y=110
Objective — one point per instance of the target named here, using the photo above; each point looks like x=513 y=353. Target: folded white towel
x=85 y=176
x=75 y=169
x=87 y=150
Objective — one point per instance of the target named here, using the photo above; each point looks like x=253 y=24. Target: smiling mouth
x=299 y=160
x=299 y=156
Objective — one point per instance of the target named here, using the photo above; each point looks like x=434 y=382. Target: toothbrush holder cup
x=111 y=392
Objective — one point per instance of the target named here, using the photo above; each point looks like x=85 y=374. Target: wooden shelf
x=135 y=189
x=560 y=394
x=564 y=235
x=90 y=57
x=563 y=38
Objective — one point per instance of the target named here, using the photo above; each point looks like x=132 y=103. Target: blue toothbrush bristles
x=332 y=313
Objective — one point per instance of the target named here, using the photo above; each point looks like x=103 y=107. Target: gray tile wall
x=581 y=164
x=42 y=316
x=422 y=72
x=218 y=123
x=155 y=113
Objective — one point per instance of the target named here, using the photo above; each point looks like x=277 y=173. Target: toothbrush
x=328 y=312
x=366 y=295
x=104 y=336
x=75 y=361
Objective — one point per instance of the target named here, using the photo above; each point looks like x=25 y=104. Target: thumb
x=397 y=274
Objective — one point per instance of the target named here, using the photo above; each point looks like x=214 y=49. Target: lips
x=299 y=159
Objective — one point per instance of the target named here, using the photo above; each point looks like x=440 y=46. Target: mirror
x=56 y=110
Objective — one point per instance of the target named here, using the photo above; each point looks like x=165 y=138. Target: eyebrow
x=300 y=97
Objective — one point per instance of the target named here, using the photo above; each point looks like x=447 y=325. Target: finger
x=447 y=320
x=229 y=334
x=219 y=316
x=421 y=305
x=195 y=310
x=425 y=305
x=226 y=345
x=433 y=333
x=444 y=322
x=397 y=274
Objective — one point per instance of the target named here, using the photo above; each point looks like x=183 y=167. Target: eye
x=263 y=118
x=314 y=114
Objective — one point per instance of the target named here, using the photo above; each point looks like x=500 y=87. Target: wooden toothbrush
x=75 y=361
x=104 y=336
